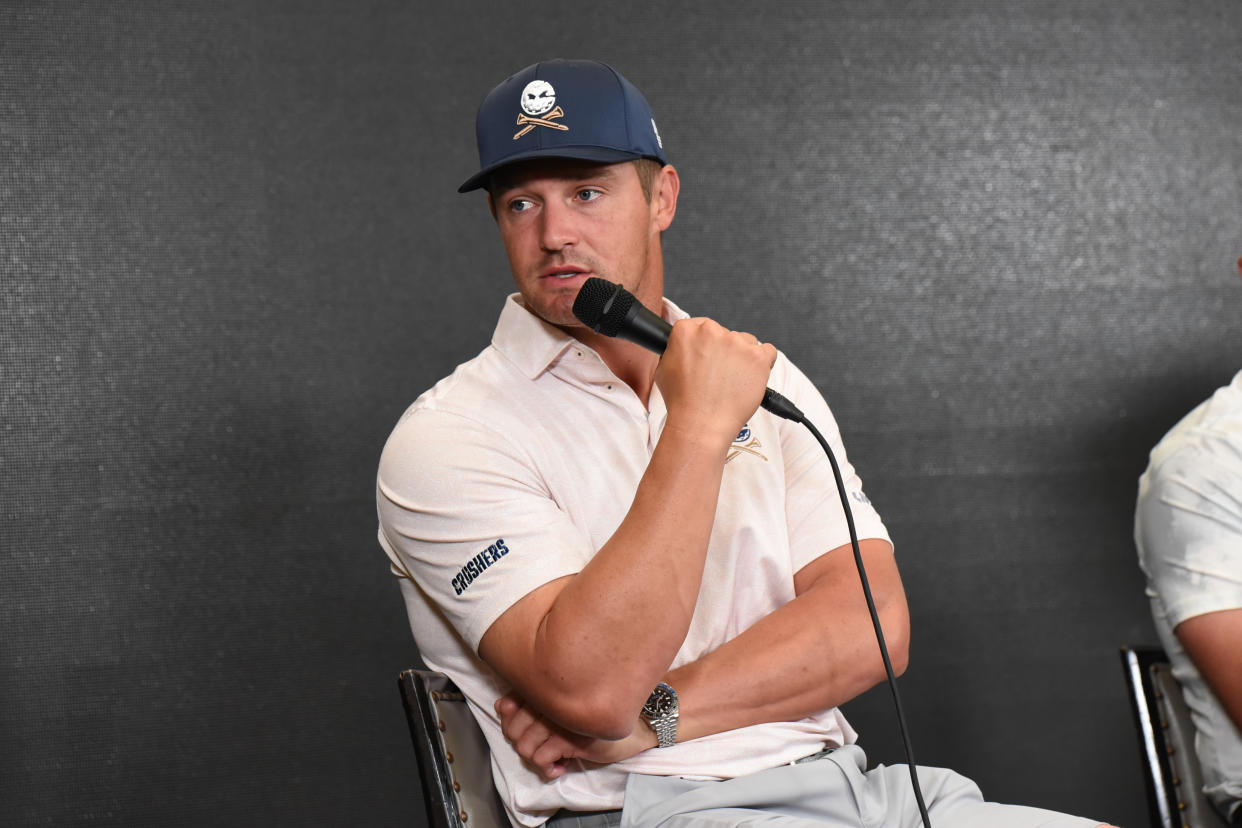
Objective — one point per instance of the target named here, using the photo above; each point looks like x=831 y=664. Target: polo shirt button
x=608 y=386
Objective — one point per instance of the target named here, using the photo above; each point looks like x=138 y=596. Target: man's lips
x=563 y=274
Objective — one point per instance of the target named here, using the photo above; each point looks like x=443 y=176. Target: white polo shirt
x=515 y=469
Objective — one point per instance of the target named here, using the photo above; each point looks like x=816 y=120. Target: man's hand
x=550 y=749
x=713 y=379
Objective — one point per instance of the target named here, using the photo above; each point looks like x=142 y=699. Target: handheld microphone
x=611 y=310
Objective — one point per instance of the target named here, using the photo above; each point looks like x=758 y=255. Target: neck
x=633 y=364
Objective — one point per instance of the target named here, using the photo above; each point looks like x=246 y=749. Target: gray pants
x=835 y=791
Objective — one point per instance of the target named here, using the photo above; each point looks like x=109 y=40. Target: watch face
x=661 y=702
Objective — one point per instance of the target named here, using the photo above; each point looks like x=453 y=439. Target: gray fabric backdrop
x=1000 y=236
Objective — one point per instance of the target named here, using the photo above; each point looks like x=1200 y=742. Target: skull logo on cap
x=538 y=98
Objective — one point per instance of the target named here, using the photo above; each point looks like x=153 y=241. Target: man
x=1188 y=529
x=642 y=583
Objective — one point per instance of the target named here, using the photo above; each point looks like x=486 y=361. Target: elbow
x=613 y=730
x=600 y=718
x=899 y=657
x=600 y=724
x=895 y=621
x=898 y=651
x=898 y=642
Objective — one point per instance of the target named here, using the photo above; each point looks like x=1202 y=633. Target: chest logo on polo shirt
x=747 y=443
x=477 y=565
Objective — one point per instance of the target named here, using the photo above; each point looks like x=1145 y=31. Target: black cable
x=797 y=416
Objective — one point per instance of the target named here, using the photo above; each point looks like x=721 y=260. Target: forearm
x=627 y=613
x=814 y=653
x=1211 y=640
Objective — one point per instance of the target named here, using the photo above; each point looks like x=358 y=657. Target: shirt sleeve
x=813 y=509
x=1189 y=528
x=463 y=513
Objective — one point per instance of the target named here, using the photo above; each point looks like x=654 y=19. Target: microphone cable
x=779 y=405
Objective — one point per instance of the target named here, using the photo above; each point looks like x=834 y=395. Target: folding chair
x=1174 y=782
x=454 y=761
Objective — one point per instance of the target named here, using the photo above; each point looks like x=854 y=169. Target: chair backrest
x=454 y=761
x=1171 y=767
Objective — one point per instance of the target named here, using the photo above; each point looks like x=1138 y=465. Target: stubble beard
x=557 y=308
x=559 y=311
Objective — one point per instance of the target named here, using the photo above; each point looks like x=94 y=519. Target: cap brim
x=605 y=155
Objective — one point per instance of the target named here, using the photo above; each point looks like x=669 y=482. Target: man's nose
x=558 y=227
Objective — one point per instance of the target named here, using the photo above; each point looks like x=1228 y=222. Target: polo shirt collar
x=532 y=344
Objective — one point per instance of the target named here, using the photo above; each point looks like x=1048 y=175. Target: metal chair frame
x=1175 y=795
x=454 y=762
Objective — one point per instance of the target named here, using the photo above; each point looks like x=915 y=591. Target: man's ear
x=664 y=196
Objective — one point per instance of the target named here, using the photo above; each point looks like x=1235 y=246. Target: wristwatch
x=661 y=712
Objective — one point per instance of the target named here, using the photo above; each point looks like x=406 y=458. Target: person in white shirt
x=1188 y=530
x=642 y=582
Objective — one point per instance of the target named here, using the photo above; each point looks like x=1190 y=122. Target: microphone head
x=602 y=305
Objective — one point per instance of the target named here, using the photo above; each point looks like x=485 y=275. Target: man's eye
x=588 y=195
x=519 y=205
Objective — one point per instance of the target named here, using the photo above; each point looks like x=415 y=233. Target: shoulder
x=1205 y=444
x=472 y=412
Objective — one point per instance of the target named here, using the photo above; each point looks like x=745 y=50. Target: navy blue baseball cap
x=563 y=109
